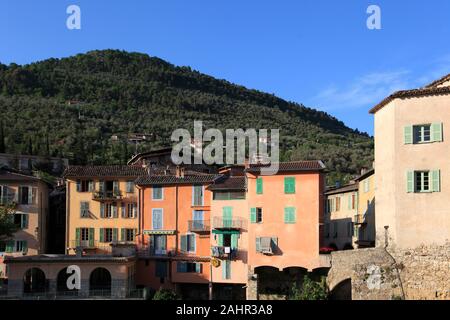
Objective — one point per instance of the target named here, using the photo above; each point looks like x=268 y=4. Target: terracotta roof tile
x=104 y=171
x=226 y=182
x=169 y=179
x=308 y=165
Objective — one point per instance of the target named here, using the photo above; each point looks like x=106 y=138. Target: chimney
x=178 y=172
x=182 y=172
x=363 y=170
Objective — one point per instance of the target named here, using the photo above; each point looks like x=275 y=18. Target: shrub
x=310 y=290
x=166 y=294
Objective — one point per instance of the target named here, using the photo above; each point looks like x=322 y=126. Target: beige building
x=341 y=208
x=364 y=221
x=28 y=197
x=412 y=152
x=102 y=207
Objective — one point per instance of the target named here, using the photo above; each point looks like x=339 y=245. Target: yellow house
x=364 y=221
x=29 y=197
x=102 y=207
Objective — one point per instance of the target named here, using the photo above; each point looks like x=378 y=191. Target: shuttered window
x=157 y=219
x=157 y=193
x=289 y=215
x=423 y=133
x=226 y=269
x=187 y=243
x=84 y=209
x=423 y=181
x=289 y=185
x=130 y=187
x=197 y=195
x=259 y=186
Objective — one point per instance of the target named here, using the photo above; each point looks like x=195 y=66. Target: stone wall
x=380 y=274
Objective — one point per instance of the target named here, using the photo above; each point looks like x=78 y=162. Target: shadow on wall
x=342 y=291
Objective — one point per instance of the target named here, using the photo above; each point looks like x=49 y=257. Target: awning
x=159 y=232
x=226 y=231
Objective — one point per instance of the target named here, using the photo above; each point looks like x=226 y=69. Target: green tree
x=7 y=226
x=310 y=290
x=2 y=138
x=166 y=294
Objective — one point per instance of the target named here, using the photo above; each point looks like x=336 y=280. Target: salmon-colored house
x=174 y=236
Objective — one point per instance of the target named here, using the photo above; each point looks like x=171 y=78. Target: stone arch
x=34 y=281
x=342 y=291
x=61 y=283
x=100 y=282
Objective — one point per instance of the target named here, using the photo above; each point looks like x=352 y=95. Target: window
x=256 y=215
x=128 y=235
x=158 y=244
x=27 y=195
x=327 y=230
x=24 y=164
x=189 y=267
x=84 y=209
x=85 y=185
x=7 y=195
x=335 y=229
x=423 y=181
x=422 y=133
x=266 y=245
x=352 y=202
x=225 y=195
x=161 y=269
x=130 y=187
x=157 y=219
x=157 y=193
x=198 y=219
x=289 y=215
x=188 y=243
x=108 y=235
x=289 y=185
x=259 y=186
x=21 y=246
x=197 y=195
x=2 y=246
x=84 y=234
x=129 y=211
x=108 y=210
x=21 y=220
x=338 y=203
x=226 y=269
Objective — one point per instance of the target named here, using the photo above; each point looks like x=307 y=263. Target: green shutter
x=10 y=246
x=253 y=215
x=289 y=185
x=410 y=181
x=435 y=180
x=198 y=267
x=258 y=244
x=408 y=134
x=24 y=246
x=289 y=215
x=226 y=269
x=227 y=213
x=91 y=186
x=77 y=236
x=91 y=237
x=102 y=235
x=115 y=234
x=349 y=202
x=183 y=243
x=259 y=186
x=220 y=240
x=234 y=241
x=123 y=234
x=102 y=210
x=24 y=221
x=191 y=243
x=436 y=132
x=114 y=210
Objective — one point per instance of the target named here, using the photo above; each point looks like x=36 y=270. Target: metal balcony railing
x=151 y=251
x=223 y=252
x=90 y=244
x=359 y=219
x=233 y=223
x=199 y=226
x=107 y=195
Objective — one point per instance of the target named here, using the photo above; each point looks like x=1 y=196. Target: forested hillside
x=117 y=93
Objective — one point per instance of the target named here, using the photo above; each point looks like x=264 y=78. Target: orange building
x=174 y=237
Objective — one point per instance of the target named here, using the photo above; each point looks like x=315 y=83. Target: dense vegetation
x=121 y=93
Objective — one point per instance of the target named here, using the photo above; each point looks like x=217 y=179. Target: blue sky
x=316 y=52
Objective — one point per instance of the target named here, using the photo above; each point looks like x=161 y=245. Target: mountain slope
x=124 y=92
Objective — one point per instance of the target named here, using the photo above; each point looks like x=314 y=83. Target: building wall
x=238 y=266
x=35 y=233
x=298 y=242
x=74 y=220
x=340 y=222
x=413 y=218
x=366 y=208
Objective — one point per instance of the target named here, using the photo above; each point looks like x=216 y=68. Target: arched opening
x=34 y=281
x=61 y=284
x=100 y=283
x=342 y=291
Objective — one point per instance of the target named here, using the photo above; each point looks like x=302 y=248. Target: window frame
x=153 y=193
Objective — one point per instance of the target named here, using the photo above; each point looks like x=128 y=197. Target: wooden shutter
x=101 y=186
x=436 y=132
x=226 y=272
x=115 y=235
x=183 y=243
x=234 y=241
x=227 y=213
x=91 y=237
x=435 y=181
x=259 y=186
x=24 y=224
x=408 y=134
x=258 y=244
x=123 y=210
x=78 y=185
x=116 y=187
x=220 y=240
x=410 y=181
x=114 y=210
x=102 y=235
x=198 y=267
x=123 y=234
x=253 y=215
x=191 y=242
x=91 y=186
x=77 y=236
x=289 y=215
x=289 y=185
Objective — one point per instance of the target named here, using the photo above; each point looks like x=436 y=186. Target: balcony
x=199 y=226
x=91 y=245
x=223 y=252
x=107 y=195
x=359 y=219
x=234 y=223
x=151 y=251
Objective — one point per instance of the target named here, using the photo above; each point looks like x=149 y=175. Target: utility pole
x=210 y=280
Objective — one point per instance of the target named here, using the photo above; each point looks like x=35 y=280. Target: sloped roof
x=226 y=182
x=431 y=89
x=104 y=171
x=307 y=165
x=344 y=189
x=7 y=175
x=190 y=177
